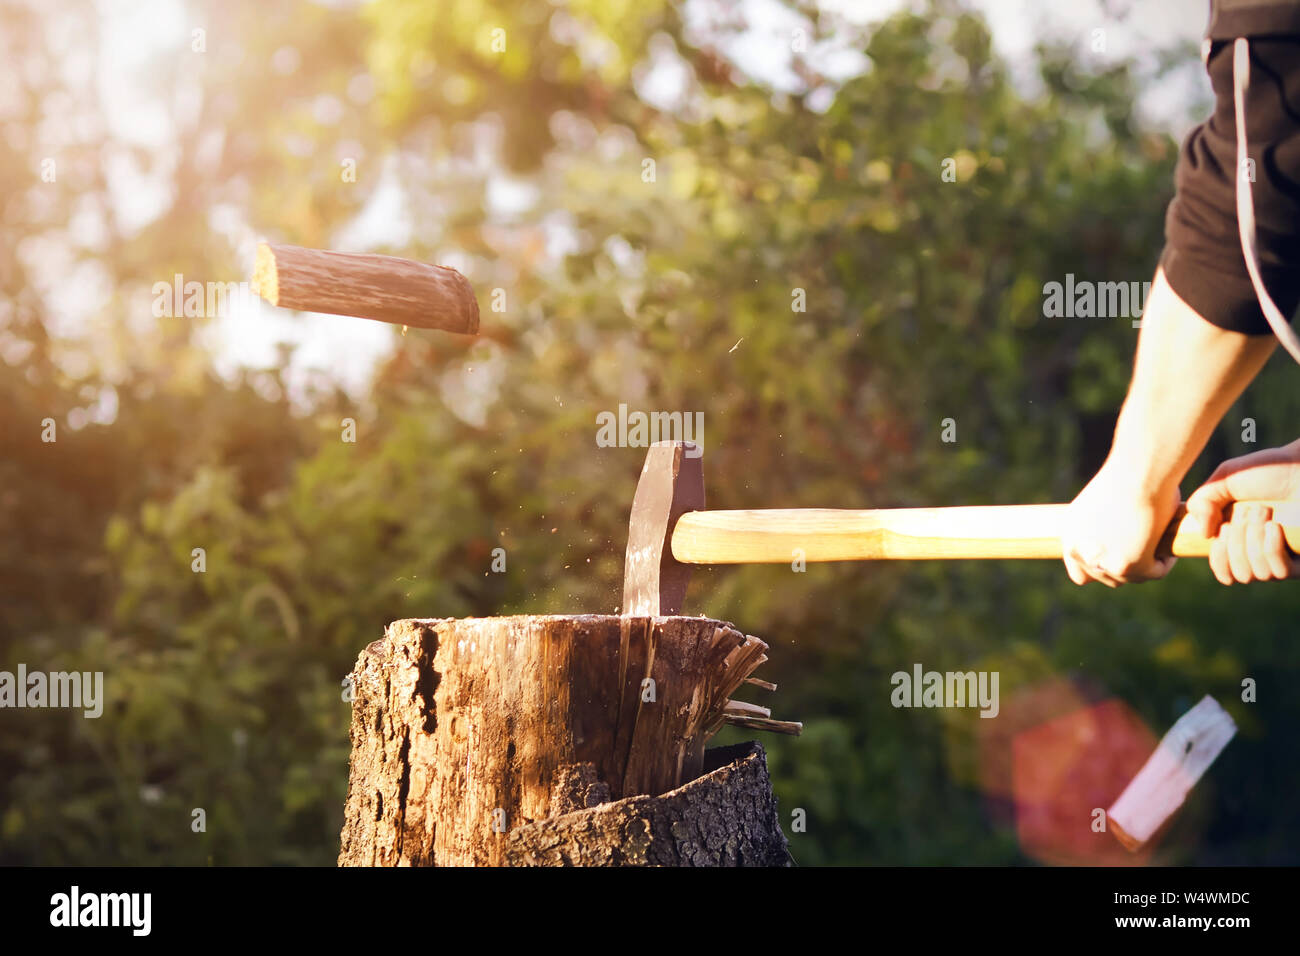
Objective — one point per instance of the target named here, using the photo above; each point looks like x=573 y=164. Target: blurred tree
x=921 y=301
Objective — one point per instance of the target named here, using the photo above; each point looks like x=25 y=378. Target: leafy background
x=924 y=302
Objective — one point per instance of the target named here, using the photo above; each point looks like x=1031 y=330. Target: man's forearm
x=1187 y=374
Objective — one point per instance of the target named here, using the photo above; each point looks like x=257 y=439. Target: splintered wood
x=734 y=671
x=464 y=730
x=1161 y=786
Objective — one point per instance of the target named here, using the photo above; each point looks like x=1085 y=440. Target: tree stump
x=556 y=740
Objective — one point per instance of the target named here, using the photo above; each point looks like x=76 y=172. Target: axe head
x=672 y=483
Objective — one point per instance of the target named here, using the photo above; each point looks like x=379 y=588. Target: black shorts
x=1203 y=260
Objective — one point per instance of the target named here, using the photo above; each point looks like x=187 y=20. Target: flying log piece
x=385 y=288
x=555 y=740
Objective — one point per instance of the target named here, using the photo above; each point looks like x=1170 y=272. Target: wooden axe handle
x=910 y=534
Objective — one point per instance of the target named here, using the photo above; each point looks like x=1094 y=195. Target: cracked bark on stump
x=728 y=817
x=534 y=740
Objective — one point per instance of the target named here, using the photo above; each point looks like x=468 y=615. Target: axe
x=669 y=531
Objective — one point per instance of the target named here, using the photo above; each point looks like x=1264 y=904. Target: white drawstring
x=1246 y=205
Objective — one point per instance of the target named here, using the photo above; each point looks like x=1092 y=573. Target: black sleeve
x=1202 y=258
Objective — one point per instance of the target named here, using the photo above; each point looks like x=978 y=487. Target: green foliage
x=924 y=302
